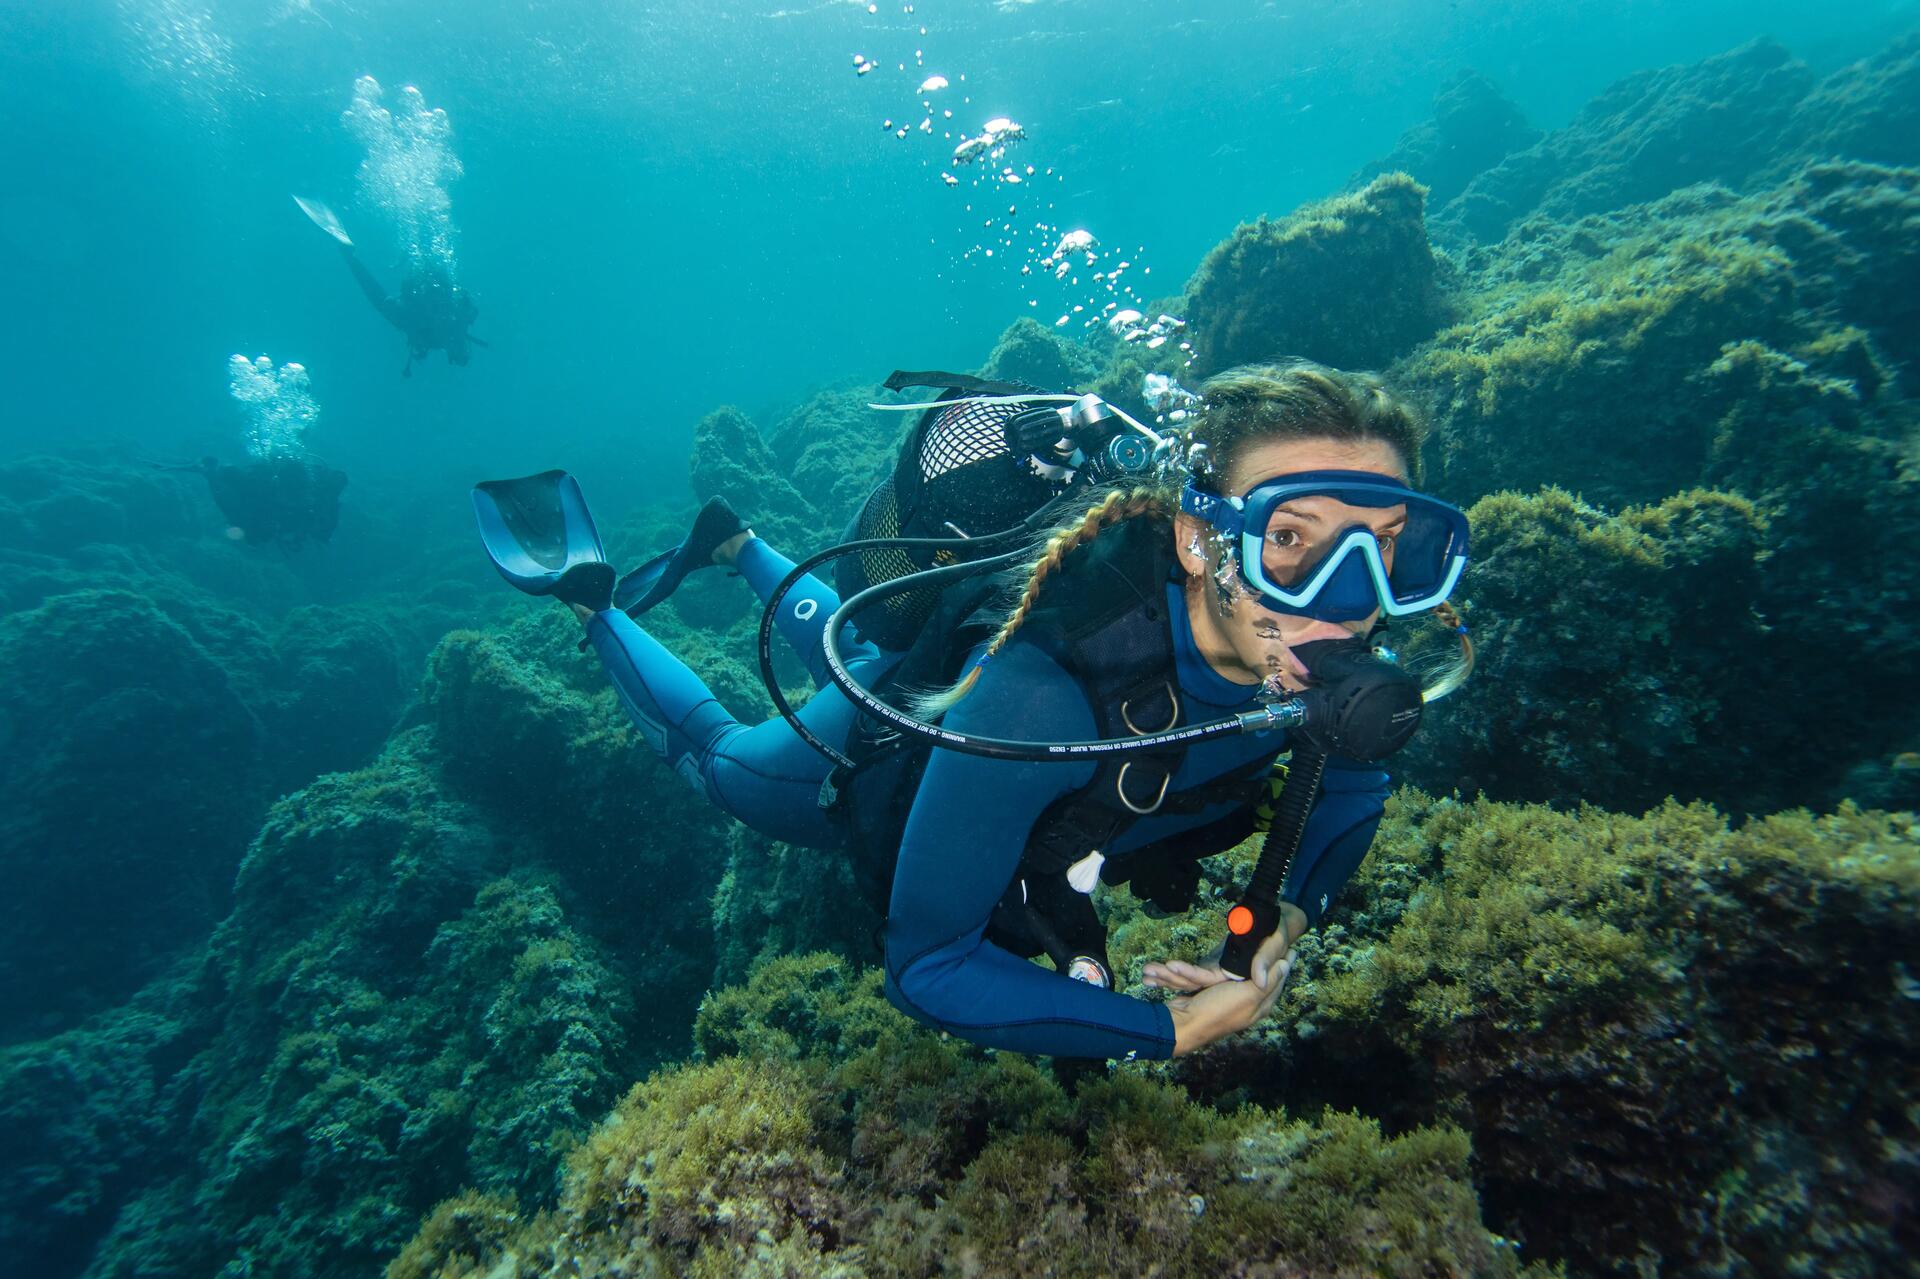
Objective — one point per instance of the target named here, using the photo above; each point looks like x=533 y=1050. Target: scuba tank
x=984 y=458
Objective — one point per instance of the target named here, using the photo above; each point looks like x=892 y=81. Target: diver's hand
x=1179 y=975
x=1227 y=1006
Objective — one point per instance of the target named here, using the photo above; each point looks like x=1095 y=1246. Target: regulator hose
x=1283 y=714
x=1362 y=707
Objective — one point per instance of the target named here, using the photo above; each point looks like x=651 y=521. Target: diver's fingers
x=1279 y=973
x=1268 y=957
x=1168 y=977
x=1162 y=978
x=1179 y=975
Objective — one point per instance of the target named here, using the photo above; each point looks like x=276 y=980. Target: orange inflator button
x=1240 y=921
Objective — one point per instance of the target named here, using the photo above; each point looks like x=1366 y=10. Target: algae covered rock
x=1707 y=340
x=1349 y=282
x=1645 y=135
x=1578 y=355
x=1850 y=228
x=1029 y=352
x=117 y=853
x=835 y=447
x=427 y=979
x=732 y=460
x=1618 y=658
x=1673 y=1043
x=388 y=1007
x=829 y=1135
x=84 y=1117
x=1868 y=110
x=1473 y=127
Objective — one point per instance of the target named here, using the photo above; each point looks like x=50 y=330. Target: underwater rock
x=84 y=1118
x=52 y=506
x=781 y=899
x=1850 y=229
x=836 y=449
x=133 y=776
x=1837 y=479
x=1721 y=119
x=1031 y=353
x=1668 y=1039
x=532 y=734
x=1743 y=344
x=1580 y=349
x=1618 y=660
x=1313 y=284
x=342 y=675
x=389 y=1007
x=1474 y=126
x=844 y=1140
x=732 y=460
x=427 y=979
x=168 y=692
x=1673 y=1044
x=1869 y=111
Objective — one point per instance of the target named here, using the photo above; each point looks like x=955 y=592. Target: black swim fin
x=653 y=581
x=540 y=535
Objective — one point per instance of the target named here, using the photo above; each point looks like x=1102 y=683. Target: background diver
x=431 y=310
x=275 y=501
x=1260 y=569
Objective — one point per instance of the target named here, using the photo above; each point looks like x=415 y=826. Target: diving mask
x=1302 y=555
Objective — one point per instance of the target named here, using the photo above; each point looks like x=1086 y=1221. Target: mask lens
x=1421 y=553
x=1420 y=540
x=1301 y=534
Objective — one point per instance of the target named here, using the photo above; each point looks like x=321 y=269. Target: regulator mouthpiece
x=1361 y=706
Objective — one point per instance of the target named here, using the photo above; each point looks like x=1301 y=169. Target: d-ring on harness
x=1120 y=781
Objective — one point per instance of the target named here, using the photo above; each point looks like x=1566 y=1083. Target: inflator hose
x=1278 y=715
x=1363 y=707
x=1257 y=915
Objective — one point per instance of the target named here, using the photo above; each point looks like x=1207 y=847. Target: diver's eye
x=1285 y=539
x=1385 y=540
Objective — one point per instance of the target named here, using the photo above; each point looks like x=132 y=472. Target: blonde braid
x=1117 y=506
x=1456 y=673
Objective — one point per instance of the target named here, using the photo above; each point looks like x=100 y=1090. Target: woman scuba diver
x=1168 y=638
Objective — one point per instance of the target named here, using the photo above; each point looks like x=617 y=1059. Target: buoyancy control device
x=987 y=469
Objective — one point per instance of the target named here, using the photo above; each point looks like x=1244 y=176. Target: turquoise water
x=670 y=206
x=337 y=884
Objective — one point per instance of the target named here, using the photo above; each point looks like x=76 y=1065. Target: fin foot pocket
x=660 y=576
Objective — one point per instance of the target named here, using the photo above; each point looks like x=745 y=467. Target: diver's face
x=1242 y=639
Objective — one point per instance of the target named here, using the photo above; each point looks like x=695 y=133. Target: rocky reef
x=1625 y=987
x=1362 y=259
x=1716 y=343
x=1743 y=119
x=159 y=686
x=1673 y=1042
x=820 y=1132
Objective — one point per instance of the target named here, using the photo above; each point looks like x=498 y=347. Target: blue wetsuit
x=971 y=817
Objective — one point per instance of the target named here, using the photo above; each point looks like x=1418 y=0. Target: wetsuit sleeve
x=964 y=837
x=1338 y=834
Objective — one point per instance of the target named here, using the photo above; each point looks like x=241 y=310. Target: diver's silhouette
x=275 y=501
x=431 y=310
